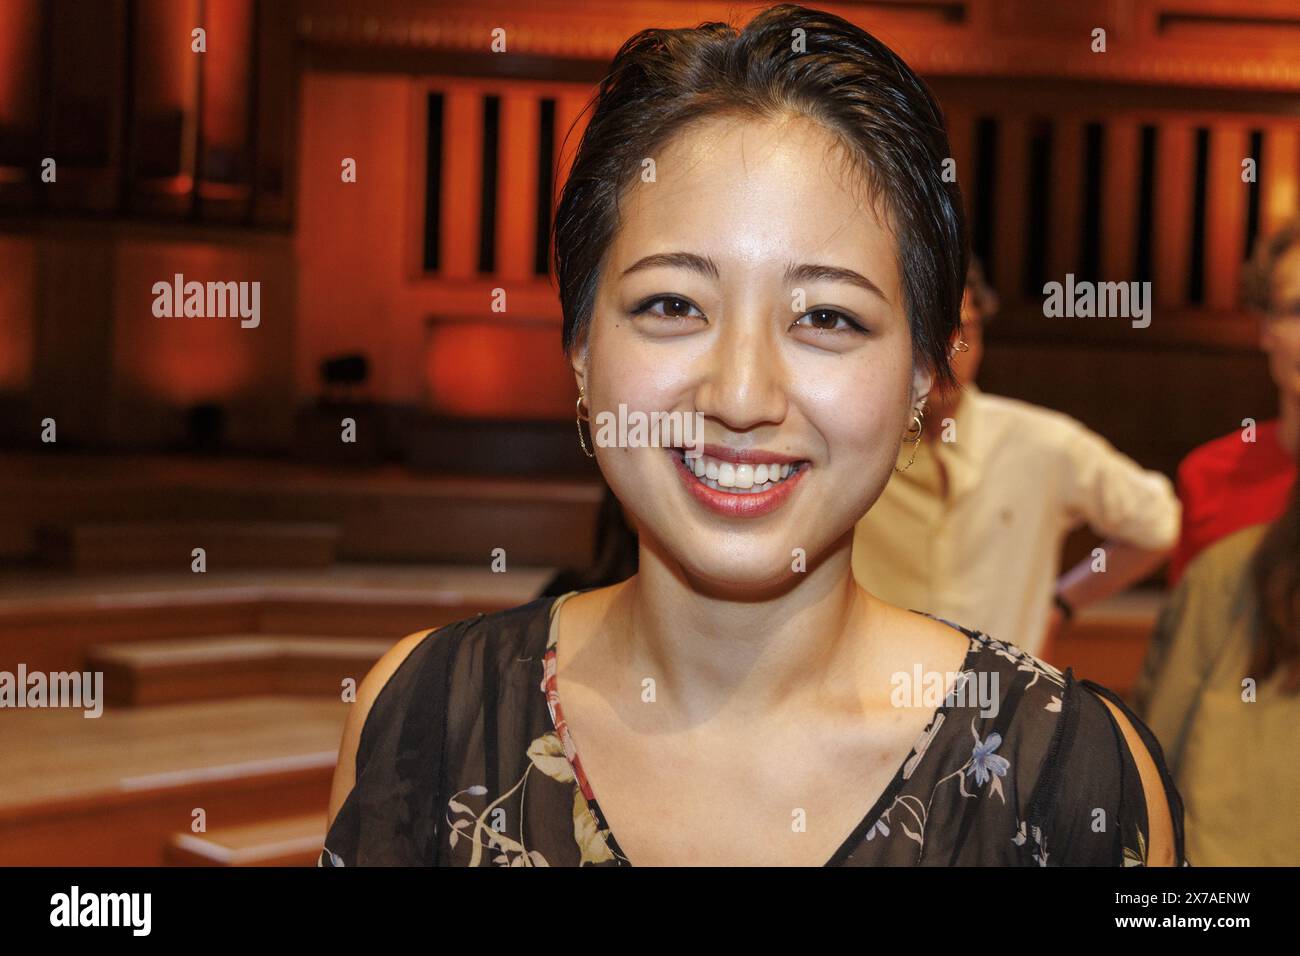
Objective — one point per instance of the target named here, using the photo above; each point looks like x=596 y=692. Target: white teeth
x=736 y=478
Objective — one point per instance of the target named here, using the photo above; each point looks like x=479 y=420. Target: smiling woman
x=756 y=230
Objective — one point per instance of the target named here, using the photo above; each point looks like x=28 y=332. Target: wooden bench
x=112 y=791
x=386 y=513
x=49 y=619
x=290 y=841
x=238 y=665
x=168 y=545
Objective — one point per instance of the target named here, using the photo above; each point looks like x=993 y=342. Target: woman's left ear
x=922 y=382
x=578 y=361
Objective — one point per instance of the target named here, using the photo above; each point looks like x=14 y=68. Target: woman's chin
x=756 y=576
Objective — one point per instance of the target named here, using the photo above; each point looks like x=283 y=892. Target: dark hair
x=1257 y=276
x=1275 y=572
x=616 y=556
x=660 y=80
x=983 y=299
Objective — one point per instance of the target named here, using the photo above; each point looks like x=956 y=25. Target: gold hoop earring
x=579 y=420
x=960 y=345
x=913 y=437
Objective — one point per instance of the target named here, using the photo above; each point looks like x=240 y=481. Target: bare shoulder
x=937 y=634
x=367 y=691
x=939 y=646
x=1160 y=841
x=582 y=614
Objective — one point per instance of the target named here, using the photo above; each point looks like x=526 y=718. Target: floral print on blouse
x=466 y=760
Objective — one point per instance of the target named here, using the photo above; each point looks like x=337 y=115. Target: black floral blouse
x=465 y=760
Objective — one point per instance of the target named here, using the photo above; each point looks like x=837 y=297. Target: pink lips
x=732 y=505
x=752 y=456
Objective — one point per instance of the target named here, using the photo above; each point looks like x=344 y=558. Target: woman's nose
x=744 y=382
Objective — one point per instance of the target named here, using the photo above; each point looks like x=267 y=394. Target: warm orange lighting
x=20 y=24
x=170 y=371
x=506 y=371
x=226 y=86
x=17 y=312
x=184 y=360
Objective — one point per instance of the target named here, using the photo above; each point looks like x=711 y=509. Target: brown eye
x=828 y=320
x=673 y=308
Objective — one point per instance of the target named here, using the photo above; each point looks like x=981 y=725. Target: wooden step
x=140 y=673
x=290 y=841
x=169 y=545
x=48 y=619
x=386 y=513
x=111 y=791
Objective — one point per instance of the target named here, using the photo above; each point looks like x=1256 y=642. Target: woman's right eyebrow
x=682 y=260
x=707 y=267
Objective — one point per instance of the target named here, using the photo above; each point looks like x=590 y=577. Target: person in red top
x=1243 y=478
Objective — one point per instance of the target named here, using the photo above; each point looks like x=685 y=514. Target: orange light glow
x=504 y=371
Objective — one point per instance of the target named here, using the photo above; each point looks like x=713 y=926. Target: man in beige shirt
x=972 y=530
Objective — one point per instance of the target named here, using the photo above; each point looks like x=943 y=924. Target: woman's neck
x=749 y=655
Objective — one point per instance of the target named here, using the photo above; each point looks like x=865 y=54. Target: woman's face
x=751 y=282
x=1281 y=330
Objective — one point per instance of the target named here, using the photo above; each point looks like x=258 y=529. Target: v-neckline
x=551 y=694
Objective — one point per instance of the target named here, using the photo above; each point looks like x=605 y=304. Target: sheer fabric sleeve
x=391 y=817
x=1090 y=808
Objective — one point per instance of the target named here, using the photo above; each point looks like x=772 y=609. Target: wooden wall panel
x=166 y=105
x=74 y=335
x=1175 y=180
x=226 y=111
x=1225 y=214
x=1279 y=175
x=517 y=183
x=20 y=41
x=1010 y=219
x=276 y=130
x=1119 y=197
x=571 y=118
x=18 y=292
x=1066 y=213
x=84 y=107
x=462 y=141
